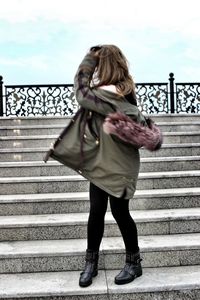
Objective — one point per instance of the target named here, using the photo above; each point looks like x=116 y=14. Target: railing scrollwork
x=152 y=97
x=56 y=100
x=188 y=97
x=59 y=99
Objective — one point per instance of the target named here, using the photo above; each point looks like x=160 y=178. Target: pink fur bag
x=119 y=124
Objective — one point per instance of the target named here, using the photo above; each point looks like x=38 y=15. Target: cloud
x=192 y=72
x=193 y=53
x=133 y=15
x=34 y=62
x=44 y=40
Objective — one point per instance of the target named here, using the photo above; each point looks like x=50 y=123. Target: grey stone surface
x=46 y=120
x=46 y=140
x=75 y=297
x=189 y=226
x=170 y=164
x=173 y=201
x=181 y=137
x=43 y=184
x=46 y=263
x=78 y=202
x=62 y=226
x=177 y=179
x=75 y=183
x=162 y=283
x=30 y=130
x=169 y=295
x=27 y=141
x=30 y=204
x=186 y=126
x=168 y=150
x=49 y=284
x=28 y=192
x=19 y=155
x=27 y=121
x=33 y=153
x=53 y=168
x=156 y=243
x=59 y=255
x=44 y=207
x=45 y=233
x=34 y=169
x=156 y=280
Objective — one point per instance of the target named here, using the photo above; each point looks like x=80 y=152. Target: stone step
x=179 y=126
x=29 y=121
x=74 y=226
x=171 y=150
x=55 y=129
x=47 y=140
x=29 y=130
x=182 y=117
x=69 y=255
x=159 y=164
x=175 y=283
x=54 y=168
x=181 y=137
x=37 y=154
x=76 y=183
x=22 y=154
x=57 y=203
x=21 y=121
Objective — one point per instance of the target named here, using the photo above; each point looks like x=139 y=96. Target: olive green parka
x=111 y=164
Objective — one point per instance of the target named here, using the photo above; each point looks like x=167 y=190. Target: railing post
x=171 y=92
x=1 y=96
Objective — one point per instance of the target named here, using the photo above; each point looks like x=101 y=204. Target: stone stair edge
x=62 y=126
x=39 y=117
x=146 y=175
x=76 y=247
x=160 y=115
x=183 y=279
x=54 y=136
x=32 y=163
x=42 y=149
x=36 y=126
x=74 y=196
x=74 y=219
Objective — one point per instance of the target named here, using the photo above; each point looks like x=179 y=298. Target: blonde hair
x=112 y=68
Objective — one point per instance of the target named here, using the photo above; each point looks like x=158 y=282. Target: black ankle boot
x=131 y=270
x=91 y=268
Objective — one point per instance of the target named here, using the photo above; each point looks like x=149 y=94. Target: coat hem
x=105 y=189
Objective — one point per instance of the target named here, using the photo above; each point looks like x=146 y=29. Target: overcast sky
x=43 y=41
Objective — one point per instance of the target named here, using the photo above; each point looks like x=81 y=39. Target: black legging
x=120 y=211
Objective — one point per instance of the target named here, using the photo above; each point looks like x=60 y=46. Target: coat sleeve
x=84 y=92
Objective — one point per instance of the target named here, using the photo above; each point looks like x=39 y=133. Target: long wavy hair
x=113 y=68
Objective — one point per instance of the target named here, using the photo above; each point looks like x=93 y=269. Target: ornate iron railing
x=59 y=100
x=40 y=100
x=152 y=97
x=188 y=97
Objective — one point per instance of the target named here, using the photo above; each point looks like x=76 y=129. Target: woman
x=103 y=85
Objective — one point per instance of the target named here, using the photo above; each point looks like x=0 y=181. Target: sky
x=43 y=41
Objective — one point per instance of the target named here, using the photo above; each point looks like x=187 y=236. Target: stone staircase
x=44 y=211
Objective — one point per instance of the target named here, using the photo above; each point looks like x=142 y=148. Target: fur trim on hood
x=119 y=124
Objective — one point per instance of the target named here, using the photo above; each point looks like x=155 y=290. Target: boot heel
x=95 y=273
x=139 y=273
